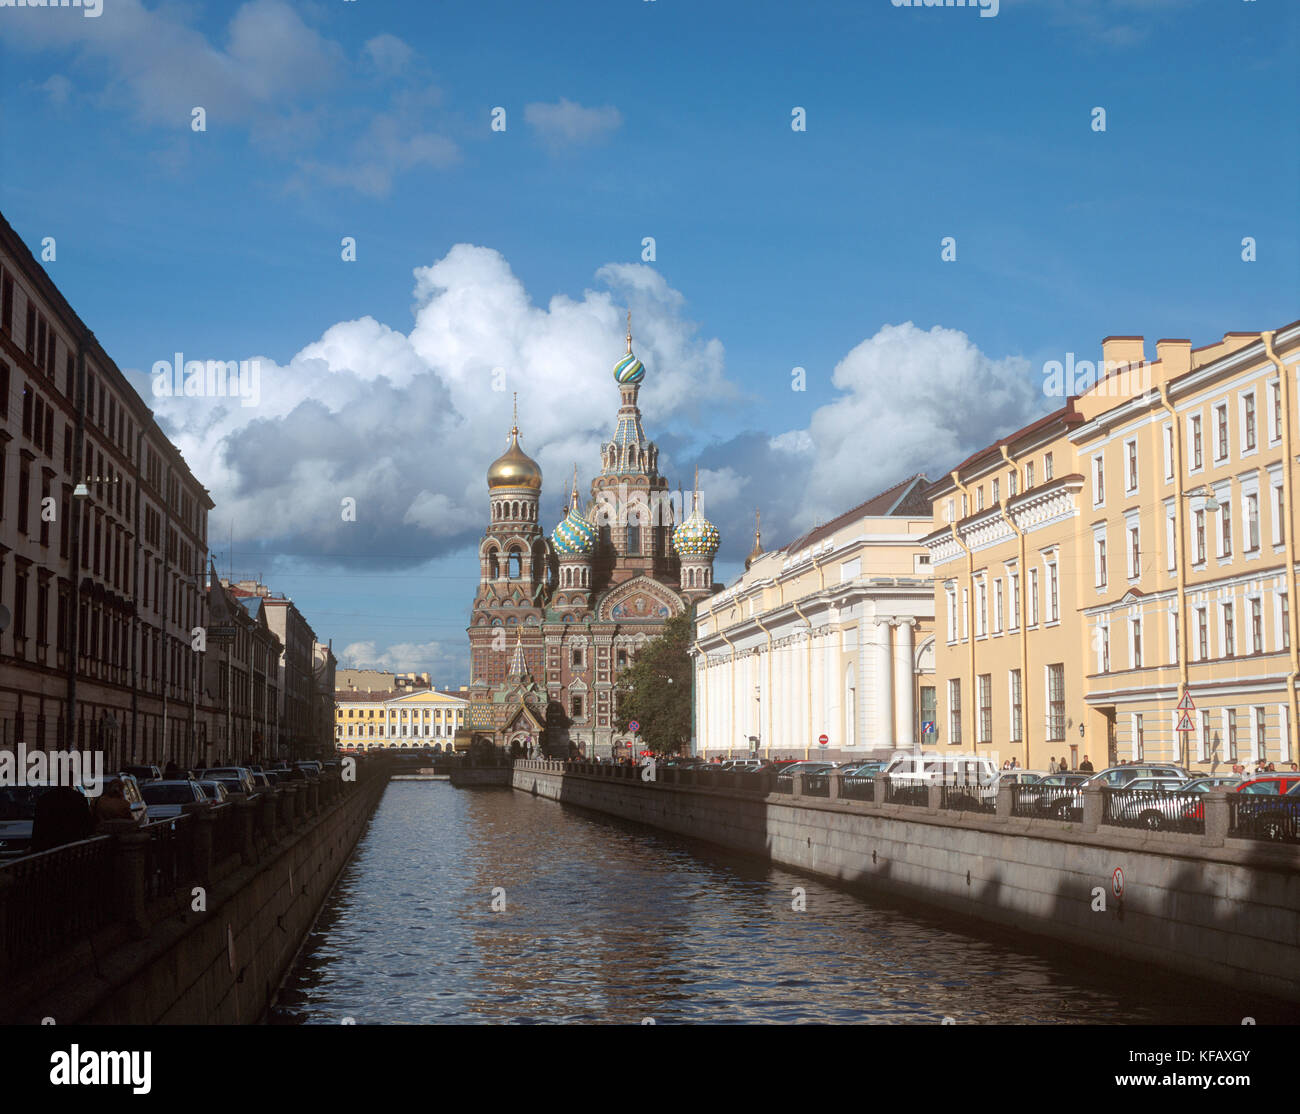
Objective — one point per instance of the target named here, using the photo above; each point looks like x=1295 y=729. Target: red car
x=1271 y=784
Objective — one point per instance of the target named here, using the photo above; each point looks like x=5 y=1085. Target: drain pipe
x=970 y=611
x=1179 y=560
x=759 y=620
x=1020 y=620
x=1288 y=534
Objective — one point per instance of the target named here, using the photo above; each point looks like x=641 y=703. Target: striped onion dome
x=574 y=534
x=696 y=537
x=629 y=369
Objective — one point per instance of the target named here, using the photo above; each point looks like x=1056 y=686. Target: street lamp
x=1211 y=504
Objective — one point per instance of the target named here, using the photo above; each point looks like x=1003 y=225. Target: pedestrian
x=1051 y=765
x=1085 y=767
x=111 y=804
x=172 y=771
x=62 y=816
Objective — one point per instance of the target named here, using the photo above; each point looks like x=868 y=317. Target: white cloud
x=438 y=659
x=568 y=124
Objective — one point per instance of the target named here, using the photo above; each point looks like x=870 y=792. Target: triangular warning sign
x=1185 y=704
x=1185 y=723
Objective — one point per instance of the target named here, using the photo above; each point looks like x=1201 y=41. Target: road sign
x=1185 y=723
x=927 y=728
x=1117 y=882
x=1185 y=704
x=824 y=739
x=634 y=727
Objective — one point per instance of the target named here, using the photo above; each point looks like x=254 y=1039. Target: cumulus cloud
x=568 y=124
x=438 y=659
x=404 y=425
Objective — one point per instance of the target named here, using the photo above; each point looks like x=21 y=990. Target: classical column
x=884 y=685
x=904 y=685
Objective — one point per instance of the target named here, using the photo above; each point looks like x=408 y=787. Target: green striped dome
x=629 y=369
x=574 y=534
x=696 y=537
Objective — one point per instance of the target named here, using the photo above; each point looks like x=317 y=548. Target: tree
x=655 y=690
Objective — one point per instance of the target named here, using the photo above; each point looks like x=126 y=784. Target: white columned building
x=842 y=663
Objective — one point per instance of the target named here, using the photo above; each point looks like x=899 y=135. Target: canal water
x=609 y=922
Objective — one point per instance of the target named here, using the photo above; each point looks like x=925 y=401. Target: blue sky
x=775 y=249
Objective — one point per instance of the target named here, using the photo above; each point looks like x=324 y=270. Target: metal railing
x=1272 y=818
x=1052 y=802
x=1156 y=810
x=56 y=898
x=169 y=856
x=816 y=785
x=858 y=789
x=908 y=793
x=969 y=798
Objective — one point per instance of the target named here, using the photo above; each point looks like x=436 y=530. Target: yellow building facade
x=393 y=720
x=1131 y=548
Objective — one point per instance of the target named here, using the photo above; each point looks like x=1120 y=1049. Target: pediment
x=642 y=600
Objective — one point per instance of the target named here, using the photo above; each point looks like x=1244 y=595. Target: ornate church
x=556 y=620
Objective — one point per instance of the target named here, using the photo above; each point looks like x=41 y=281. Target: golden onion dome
x=515 y=468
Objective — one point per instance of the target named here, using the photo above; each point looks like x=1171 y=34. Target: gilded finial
x=629 y=332
x=758 y=533
x=514 y=429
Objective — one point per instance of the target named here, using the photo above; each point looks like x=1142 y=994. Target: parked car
x=237 y=779
x=143 y=773
x=1115 y=777
x=1202 y=785
x=1023 y=777
x=17 y=815
x=1269 y=783
x=1272 y=816
x=1052 y=795
x=1156 y=803
x=261 y=783
x=311 y=769
x=134 y=797
x=167 y=799
x=214 y=791
x=790 y=769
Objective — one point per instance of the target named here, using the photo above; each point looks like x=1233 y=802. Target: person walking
x=111 y=804
x=1085 y=767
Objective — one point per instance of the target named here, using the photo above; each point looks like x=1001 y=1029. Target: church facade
x=555 y=619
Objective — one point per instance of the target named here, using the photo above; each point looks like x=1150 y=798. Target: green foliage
x=644 y=693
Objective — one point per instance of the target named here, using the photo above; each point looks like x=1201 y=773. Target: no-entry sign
x=824 y=739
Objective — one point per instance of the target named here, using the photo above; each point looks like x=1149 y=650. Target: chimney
x=1175 y=357
x=1121 y=351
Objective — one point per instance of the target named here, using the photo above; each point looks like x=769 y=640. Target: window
x=1286 y=622
x=952 y=509
x=1261 y=737
x=1103 y=633
x=1256 y=627
x=1131 y=463
x=997 y=607
x=622 y=659
x=1252 y=523
x=1014 y=624
x=1033 y=597
x=982 y=604
x=1202 y=634
x=1231 y=715
x=1134 y=553
x=1225 y=526
x=1047 y=466
x=1221 y=431
x=1200 y=536
x=1100 y=560
x=1053 y=594
x=1135 y=626
x=1275 y=409
x=633 y=539
x=1029 y=474
x=986 y=707
x=965 y=611
x=1171 y=549
x=1228 y=615
x=1056 y=703
x=1277 y=514
x=954 y=711
x=1139 y=738
x=1098 y=481
x=979 y=498
x=965 y=505
x=1012 y=478
x=577 y=659
x=575 y=707
x=1194 y=428
x=1169 y=452
x=1016 y=707
x=952 y=615
x=996 y=490
x=1248 y=422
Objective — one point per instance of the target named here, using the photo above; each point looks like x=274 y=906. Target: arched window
x=633 y=539
x=514 y=564
x=494 y=568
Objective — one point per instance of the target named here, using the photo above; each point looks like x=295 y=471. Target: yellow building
x=830 y=636
x=1133 y=546
x=395 y=720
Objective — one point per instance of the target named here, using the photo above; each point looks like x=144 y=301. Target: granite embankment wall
x=264 y=870
x=1229 y=913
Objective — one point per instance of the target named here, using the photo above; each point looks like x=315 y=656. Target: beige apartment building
x=1128 y=550
x=830 y=636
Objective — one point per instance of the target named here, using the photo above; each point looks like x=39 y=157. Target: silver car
x=167 y=799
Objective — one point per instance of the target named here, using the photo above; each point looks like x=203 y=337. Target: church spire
x=757 y=551
x=518 y=663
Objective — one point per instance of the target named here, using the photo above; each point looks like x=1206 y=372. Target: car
x=1052 y=795
x=1018 y=776
x=143 y=773
x=1115 y=777
x=17 y=815
x=911 y=775
x=1202 y=785
x=1156 y=803
x=1271 y=816
x=134 y=797
x=1276 y=784
x=237 y=778
x=214 y=791
x=311 y=769
x=261 y=782
x=167 y=799
x=790 y=769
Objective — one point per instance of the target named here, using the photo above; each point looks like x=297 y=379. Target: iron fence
x=858 y=789
x=226 y=839
x=908 y=793
x=75 y=883
x=1053 y=802
x=816 y=785
x=1157 y=810
x=1266 y=817
x=169 y=856
x=969 y=798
